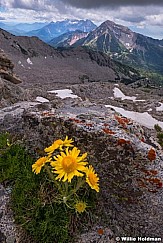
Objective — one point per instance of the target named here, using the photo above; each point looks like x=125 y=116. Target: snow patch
x=29 y=61
x=144 y=118
x=150 y=109
x=63 y=93
x=119 y=94
x=73 y=22
x=160 y=108
x=41 y=99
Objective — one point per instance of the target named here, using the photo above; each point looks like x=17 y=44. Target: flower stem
x=79 y=184
x=53 y=178
x=66 y=188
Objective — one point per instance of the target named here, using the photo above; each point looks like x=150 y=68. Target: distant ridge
x=54 y=29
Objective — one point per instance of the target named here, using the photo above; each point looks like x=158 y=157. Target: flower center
x=92 y=178
x=69 y=164
x=80 y=207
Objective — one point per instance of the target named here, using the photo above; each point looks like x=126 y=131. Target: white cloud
x=149 y=18
x=155 y=19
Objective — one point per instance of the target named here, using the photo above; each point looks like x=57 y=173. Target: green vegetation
x=157 y=128
x=159 y=134
x=155 y=78
x=33 y=197
x=160 y=138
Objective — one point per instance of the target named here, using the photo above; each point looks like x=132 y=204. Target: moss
x=157 y=128
x=160 y=138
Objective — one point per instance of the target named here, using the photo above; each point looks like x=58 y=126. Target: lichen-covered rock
x=7 y=226
x=130 y=198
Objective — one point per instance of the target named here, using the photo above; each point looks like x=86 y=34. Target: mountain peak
x=111 y=25
x=108 y=23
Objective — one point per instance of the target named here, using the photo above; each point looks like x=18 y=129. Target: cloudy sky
x=143 y=16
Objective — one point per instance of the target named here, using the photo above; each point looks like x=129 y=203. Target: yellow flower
x=8 y=143
x=69 y=164
x=67 y=142
x=59 y=144
x=80 y=206
x=92 y=178
x=53 y=147
x=36 y=167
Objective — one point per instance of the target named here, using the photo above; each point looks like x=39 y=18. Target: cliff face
x=128 y=163
x=6 y=69
x=9 y=91
x=67 y=39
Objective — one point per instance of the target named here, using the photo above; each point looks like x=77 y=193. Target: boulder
x=9 y=93
x=129 y=166
x=6 y=69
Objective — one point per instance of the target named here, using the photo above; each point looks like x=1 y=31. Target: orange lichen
x=75 y=120
x=159 y=185
x=142 y=140
x=122 y=120
x=47 y=113
x=156 y=182
x=153 y=172
x=89 y=124
x=150 y=172
x=150 y=190
x=141 y=182
x=122 y=141
x=108 y=131
x=151 y=154
x=100 y=231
